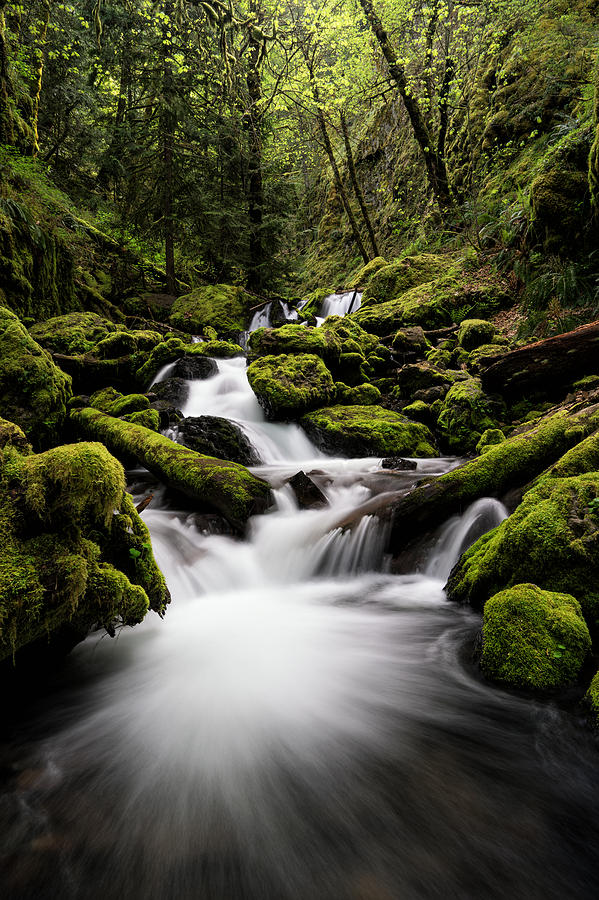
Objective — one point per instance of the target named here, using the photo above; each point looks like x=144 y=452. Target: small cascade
x=461 y=532
x=339 y=305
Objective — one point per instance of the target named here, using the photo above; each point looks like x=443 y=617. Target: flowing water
x=301 y=726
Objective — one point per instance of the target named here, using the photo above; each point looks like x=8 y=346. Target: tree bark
x=435 y=163
x=356 y=186
x=167 y=129
x=545 y=366
x=214 y=483
x=7 y=130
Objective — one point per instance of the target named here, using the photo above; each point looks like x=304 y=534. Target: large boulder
x=224 y=307
x=553 y=535
x=33 y=391
x=533 y=639
x=76 y=332
x=214 y=436
x=289 y=385
x=74 y=552
x=473 y=333
x=367 y=431
x=387 y=282
x=466 y=413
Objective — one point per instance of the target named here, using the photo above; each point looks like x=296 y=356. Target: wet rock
x=399 y=464
x=308 y=494
x=173 y=391
x=362 y=431
x=214 y=436
x=195 y=367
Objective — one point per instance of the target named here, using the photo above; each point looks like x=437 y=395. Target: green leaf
x=557 y=654
x=134 y=553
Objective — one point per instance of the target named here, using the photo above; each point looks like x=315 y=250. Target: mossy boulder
x=292 y=339
x=289 y=385
x=214 y=483
x=388 y=282
x=420 y=411
x=111 y=401
x=473 y=333
x=533 y=639
x=224 y=307
x=33 y=391
x=148 y=418
x=74 y=333
x=466 y=412
x=553 y=534
x=364 y=274
x=420 y=377
x=359 y=395
x=425 y=305
x=215 y=436
x=476 y=360
x=74 y=552
x=367 y=431
x=490 y=438
x=592 y=700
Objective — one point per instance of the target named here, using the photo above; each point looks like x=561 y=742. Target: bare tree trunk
x=39 y=80
x=356 y=186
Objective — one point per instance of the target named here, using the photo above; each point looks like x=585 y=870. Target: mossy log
x=513 y=463
x=223 y=486
x=545 y=366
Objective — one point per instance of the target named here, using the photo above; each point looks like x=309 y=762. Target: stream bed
x=302 y=725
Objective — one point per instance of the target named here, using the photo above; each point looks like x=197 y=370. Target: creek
x=303 y=725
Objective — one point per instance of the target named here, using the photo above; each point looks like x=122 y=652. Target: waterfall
x=302 y=724
x=339 y=305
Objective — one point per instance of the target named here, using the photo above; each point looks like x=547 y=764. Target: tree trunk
x=544 y=367
x=7 y=130
x=338 y=182
x=116 y=149
x=253 y=127
x=167 y=130
x=435 y=163
x=356 y=186
x=214 y=483
x=39 y=79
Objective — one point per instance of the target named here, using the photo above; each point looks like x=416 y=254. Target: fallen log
x=545 y=366
x=215 y=483
x=511 y=464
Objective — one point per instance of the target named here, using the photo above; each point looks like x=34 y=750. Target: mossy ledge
x=74 y=552
x=225 y=486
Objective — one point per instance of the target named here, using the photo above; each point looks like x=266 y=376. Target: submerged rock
x=533 y=639
x=367 y=431
x=307 y=493
x=215 y=436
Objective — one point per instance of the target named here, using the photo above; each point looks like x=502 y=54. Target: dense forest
x=335 y=259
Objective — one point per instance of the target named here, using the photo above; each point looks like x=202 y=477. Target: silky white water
x=301 y=726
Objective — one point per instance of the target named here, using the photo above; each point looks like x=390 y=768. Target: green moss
x=466 y=413
x=217 y=484
x=425 y=305
x=73 y=333
x=391 y=281
x=149 y=418
x=359 y=395
x=287 y=386
x=110 y=401
x=65 y=561
x=553 y=534
x=411 y=340
x=473 y=333
x=592 y=700
x=490 y=438
x=419 y=377
x=223 y=307
x=121 y=343
x=363 y=275
x=165 y=352
x=33 y=391
x=367 y=431
x=533 y=639
x=475 y=360
x=293 y=339
x=13 y=436
x=420 y=411
x=441 y=359
x=217 y=349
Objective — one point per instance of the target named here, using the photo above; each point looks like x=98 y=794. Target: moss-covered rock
x=592 y=700
x=420 y=411
x=216 y=484
x=74 y=333
x=148 y=418
x=359 y=395
x=553 y=535
x=111 y=401
x=13 y=436
x=292 y=339
x=364 y=274
x=33 y=391
x=533 y=639
x=367 y=431
x=476 y=360
x=425 y=305
x=466 y=413
x=420 y=377
x=69 y=554
x=223 y=307
x=411 y=341
x=390 y=281
x=490 y=438
x=473 y=333
x=289 y=385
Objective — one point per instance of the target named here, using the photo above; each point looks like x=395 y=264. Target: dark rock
x=173 y=391
x=429 y=395
x=308 y=494
x=217 y=437
x=195 y=367
x=398 y=463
